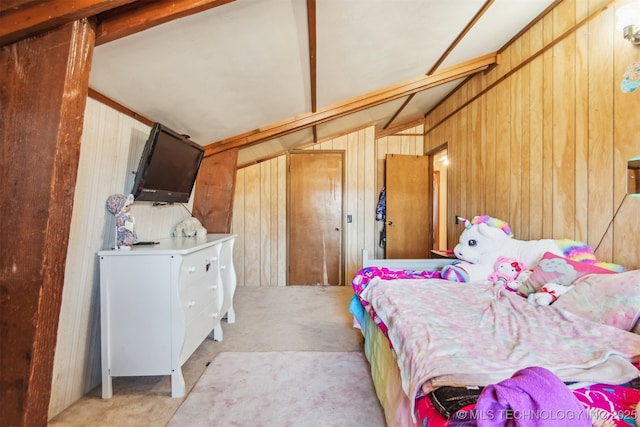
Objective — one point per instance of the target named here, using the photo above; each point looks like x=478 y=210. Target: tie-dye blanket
x=445 y=333
x=360 y=281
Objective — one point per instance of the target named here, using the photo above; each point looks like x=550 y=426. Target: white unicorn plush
x=484 y=239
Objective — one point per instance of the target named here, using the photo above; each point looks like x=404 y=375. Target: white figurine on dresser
x=159 y=302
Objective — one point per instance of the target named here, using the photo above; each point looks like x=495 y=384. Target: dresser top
x=171 y=246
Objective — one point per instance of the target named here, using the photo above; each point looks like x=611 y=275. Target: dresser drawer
x=198 y=295
x=199 y=326
x=197 y=265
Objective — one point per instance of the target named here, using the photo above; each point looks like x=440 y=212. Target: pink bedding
x=607 y=405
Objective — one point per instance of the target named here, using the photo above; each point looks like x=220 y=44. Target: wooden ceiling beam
x=26 y=18
x=311 y=22
x=444 y=56
x=311 y=28
x=354 y=105
x=131 y=19
x=115 y=18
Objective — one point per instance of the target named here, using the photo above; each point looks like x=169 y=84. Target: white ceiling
x=245 y=65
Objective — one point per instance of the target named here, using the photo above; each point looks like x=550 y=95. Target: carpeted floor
x=293 y=318
x=291 y=388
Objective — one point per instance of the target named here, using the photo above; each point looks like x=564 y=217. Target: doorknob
x=390 y=223
x=337 y=229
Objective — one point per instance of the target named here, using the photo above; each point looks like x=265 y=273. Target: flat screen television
x=168 y=167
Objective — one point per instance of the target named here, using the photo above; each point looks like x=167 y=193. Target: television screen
x=168 y=167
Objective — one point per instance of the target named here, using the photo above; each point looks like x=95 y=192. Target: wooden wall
x=259 y=213
x=542 y=139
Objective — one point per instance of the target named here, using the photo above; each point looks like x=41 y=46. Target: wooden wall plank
x=516 y=143
x=371 y=192
x=238 y=227
x=601 y=120
x=464 y=178
x=364 y=213
x=564 y=136
x=524 y=102
x=282 y=220
x=503 y=153
x=582 y=126
x=273 y=226
x=491 y=101
x=536 y=125
x=252 y=231
x=476 y=163
x=265 y=223
x=547 y=130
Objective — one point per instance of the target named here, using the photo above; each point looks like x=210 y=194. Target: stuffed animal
x=120 y=206
x=562 y=275
x=506 y=271
x=190 y=227
x=484 y=239
x=556 y=271
x=548 y=293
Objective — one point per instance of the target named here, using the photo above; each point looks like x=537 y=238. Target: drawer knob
x=214 y=287
x=223 y=267
x=191 y=304
x=191 y=269
x=214 y=314
x=213 y=259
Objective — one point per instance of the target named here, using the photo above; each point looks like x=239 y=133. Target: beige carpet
x=278 y=389
x=291 y=318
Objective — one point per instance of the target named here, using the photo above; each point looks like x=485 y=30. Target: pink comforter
x=446 y=333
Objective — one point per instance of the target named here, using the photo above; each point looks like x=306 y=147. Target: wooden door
x=315 y=217
x=407 y=211
x=438 y=172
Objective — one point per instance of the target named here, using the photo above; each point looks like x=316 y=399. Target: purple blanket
x=532 y=397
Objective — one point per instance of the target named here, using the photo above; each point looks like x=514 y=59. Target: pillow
x=553 y=268
x=611 y=299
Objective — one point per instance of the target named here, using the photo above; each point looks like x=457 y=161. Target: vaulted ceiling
x=268 y=76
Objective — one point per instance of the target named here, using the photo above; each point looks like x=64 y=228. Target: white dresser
x=158 y=304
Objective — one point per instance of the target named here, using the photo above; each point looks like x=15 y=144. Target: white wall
x=110 y=150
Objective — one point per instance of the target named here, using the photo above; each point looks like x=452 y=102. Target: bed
x=434 y=345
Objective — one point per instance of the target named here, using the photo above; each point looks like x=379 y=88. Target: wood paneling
x=557 y=134
x=255 y=210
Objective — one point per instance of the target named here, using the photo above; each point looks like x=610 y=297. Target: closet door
x=407 y=216
x=315 y=217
